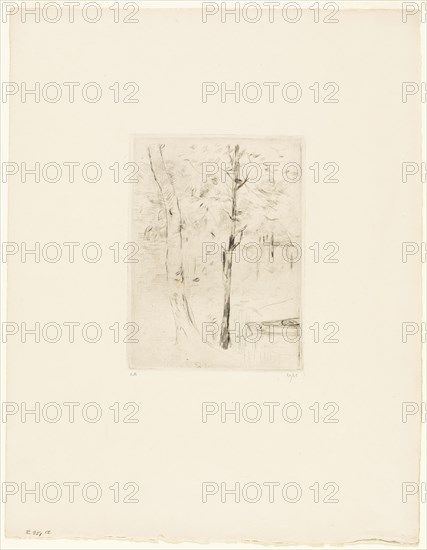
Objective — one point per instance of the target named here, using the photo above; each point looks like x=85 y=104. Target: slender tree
x=184 y=321
x=234 y=241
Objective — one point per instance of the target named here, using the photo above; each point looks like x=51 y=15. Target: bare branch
x=229 y=175
x=241 y=183
x=229 y=154
x=242 y=229
x=154 y=175
x=240 y=234
x=228 y=213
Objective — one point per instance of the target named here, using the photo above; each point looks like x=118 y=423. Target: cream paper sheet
x=326 y=453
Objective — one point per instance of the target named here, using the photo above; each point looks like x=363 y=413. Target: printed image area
x=218 y=224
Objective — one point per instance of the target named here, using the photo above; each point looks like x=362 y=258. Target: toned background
x=369 y=293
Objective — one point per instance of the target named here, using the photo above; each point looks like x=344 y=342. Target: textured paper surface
x=170 y=453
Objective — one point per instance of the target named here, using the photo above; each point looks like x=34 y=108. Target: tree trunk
x=227 y=264
x=227 y=255
x=183 y=317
